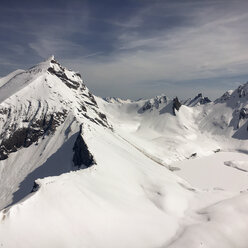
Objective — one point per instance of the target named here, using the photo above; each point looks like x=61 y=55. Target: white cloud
x=214 y=46
x=213 y=49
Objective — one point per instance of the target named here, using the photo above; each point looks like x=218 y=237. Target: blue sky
x=132 y=48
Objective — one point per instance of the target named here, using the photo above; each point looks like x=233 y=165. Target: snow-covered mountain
x=41 y=109
x=77 y=170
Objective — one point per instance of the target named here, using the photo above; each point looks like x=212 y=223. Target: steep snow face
x=40 y=110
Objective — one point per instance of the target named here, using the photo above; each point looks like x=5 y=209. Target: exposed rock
x=91 y=97
x=153 y=103
x=35 y=187
x=205 y=100
x=26 y=136
x=82 y=155
x=217 y=150
x=243 y=90
x=176 y=105
x=146 y=106
x=243 y=114
x=193 y=155
x=70 y=83
x=199 y=99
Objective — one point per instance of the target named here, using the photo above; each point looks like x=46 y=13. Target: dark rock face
x=82 y=155
x=24 y=137
x=153 y=103
x=60 y=74
x=91 y=97
x=146 y=106
x=73 y=84
x=243 y=114
x=198 y=99
x=242 y=90
x=35 y=187
x=205 y=100
x=176 y=105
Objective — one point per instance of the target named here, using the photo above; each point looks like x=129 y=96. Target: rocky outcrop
x=62 y=75
x=199 y=99
x=35 y=187
x=82 y=155
x=176 y=105
x=145 y=107
x=243 y=90
x=26 y=136
x=154 y=103
x=243 y=114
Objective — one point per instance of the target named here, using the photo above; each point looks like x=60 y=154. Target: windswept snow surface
x=162 y=178
x=5 y=79
x=126 y=200
x=220 y=171
x=225 y=226
x=120 y=202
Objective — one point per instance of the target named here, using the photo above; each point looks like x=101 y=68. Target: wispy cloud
x=124 y=46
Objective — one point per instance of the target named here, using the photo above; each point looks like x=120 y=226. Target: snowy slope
x=126 y=200
x=5 y=79
x=103 y=165
x=220 y=171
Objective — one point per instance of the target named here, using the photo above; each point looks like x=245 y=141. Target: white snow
x=126 y=200
x=238 y=164
x=225 y=226
x=211 y=172
x=5 y=79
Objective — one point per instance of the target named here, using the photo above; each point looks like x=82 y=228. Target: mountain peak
x=235 y=96
x=49 y=59
x=37 y=101
x=198 y=100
